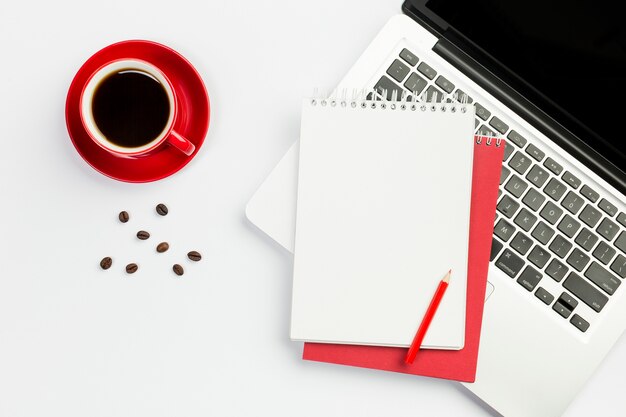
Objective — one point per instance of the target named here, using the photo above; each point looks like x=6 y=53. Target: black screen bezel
x=418 y=10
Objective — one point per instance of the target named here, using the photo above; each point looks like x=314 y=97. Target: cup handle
x=181 y=143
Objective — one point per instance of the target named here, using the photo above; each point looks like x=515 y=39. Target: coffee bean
x=194 y=256
x=131 y=268
x=106 y=263
x=178 y=270
x=123 y=216
x=161 y=209
x=143 y=235
x=162 y=247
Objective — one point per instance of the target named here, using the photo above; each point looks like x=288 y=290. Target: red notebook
x=457 y=365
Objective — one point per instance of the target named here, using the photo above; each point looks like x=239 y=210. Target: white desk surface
x=77 y=341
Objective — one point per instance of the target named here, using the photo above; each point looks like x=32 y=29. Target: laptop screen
x=570 y=55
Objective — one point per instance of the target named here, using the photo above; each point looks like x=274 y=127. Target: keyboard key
x=517 y=139
x=444 y=84
x=608 y=229
x=529 y=278
x=551 y=212
x=409 y=57
x=586 y=239
x=496 y=247
x=535 y=152
x=568 y=301
x=504 y=230
x=539 y=256
x=533 y=199
x=516 y=186
x=572 y=202
x=461 y=95
x=482 y=112
x=508 y=151
x=485 y=131
x=499 y=125
x=520 y=162
x=398 y=70
x=589 y=193
x=619 y=266
x=569 y=226
x=580 y=323
x=434 y=95
x=578 y=259
x=521 y=243
x=508 y=206
x=561 y=309
x=620 y=242
x=385 y=84
x=607 y=207
x=571 y=179
x=426 y=69
x=538 y=176
x=590 y=215
x=621 y=219
x=555 y=189
x=604 y=253
x=510 y=263
x=544 y=295
x=602 y=278
x=553 y=166
x=556 y=270
x=415 y=84
x=525 y=219
x=504 y=174
x=543 y=233
x=586 y=292
x=560 y=246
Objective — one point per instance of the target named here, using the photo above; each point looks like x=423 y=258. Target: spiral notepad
x=382 y=213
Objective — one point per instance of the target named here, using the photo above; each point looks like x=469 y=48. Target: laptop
x=549 y=78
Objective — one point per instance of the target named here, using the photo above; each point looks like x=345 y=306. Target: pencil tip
x=447 y=277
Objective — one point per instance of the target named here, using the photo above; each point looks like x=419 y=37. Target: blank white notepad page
x=382 y=214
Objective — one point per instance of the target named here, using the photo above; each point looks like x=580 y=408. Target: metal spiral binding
x=488 y=140
x=381 y=99
x=405 y=102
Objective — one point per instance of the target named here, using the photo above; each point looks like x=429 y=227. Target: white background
x=77 y=341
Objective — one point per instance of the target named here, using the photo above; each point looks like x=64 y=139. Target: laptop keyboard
x=549 y=225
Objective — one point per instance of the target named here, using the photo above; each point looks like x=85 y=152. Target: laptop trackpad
x=489 y=290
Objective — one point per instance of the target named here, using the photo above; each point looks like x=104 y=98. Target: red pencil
x=428 y=317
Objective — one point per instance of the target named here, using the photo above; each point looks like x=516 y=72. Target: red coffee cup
x=167 y=136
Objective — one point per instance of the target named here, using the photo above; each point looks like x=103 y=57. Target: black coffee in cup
x=131 y=108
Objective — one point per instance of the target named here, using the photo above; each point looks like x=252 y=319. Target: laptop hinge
x=531 y=113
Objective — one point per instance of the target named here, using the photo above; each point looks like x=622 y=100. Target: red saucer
x=192 y=121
